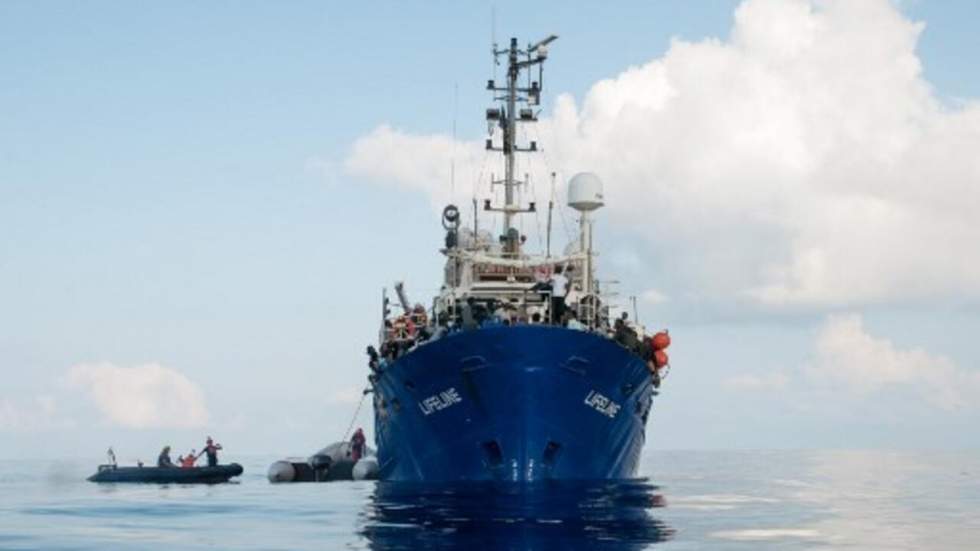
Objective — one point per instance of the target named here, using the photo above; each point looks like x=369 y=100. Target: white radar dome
x=585 y=192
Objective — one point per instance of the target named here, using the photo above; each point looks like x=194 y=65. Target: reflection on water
x=552 y=515
x=723 y=500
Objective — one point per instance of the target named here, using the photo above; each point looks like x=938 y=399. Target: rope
x=550 y=167
x=537 y=218
x=479 y=177
x=354 y=418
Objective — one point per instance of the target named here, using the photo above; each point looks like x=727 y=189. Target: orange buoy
x=660 y=358
x=661 y=340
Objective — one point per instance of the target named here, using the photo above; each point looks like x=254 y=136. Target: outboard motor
x=321 y=466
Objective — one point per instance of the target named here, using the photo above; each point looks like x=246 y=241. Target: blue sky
x=176 y=189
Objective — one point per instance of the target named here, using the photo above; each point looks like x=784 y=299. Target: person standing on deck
x=559 y=289
x=357 y=445
x=211 y=450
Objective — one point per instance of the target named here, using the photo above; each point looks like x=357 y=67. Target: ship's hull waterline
x=513 y=403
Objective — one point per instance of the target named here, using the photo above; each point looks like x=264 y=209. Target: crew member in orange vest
x=188 y=461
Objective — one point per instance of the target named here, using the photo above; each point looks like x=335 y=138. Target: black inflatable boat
x=167 y=475
x=330 y=464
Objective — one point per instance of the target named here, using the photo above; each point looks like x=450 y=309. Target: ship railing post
x=384 y=315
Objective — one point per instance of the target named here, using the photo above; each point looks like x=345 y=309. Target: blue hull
x=522 y=403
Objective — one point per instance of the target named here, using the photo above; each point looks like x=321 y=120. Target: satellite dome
x=585 y=192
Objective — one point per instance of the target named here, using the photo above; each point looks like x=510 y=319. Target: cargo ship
x=518 y=370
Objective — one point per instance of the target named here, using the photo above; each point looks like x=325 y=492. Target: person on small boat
x=163 y=460
x=211 y=450
x=188 y=460
x=357 y=445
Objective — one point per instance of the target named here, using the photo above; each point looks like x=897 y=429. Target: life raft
x=167 y=475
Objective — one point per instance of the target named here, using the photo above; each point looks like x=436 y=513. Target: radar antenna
x=506 y=117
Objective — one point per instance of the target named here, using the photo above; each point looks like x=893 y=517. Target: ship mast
x=507 y=118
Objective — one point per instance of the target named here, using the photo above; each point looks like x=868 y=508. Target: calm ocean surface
x=691 y=500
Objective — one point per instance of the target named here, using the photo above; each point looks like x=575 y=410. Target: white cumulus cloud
x=804 y=162
x=852 y=359
x=144 y=396
x=414 y=162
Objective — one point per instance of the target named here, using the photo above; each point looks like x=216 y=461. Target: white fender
x=281 y=471
x=366 y=468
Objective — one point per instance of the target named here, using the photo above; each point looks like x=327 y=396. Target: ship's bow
x=520 y=403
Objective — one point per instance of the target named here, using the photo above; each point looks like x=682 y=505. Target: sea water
x=686 y=500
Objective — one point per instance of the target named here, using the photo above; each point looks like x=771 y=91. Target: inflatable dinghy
x=167 y=475
x=330 y=464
